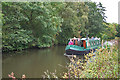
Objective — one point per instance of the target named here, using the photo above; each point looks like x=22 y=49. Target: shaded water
x=34 y=62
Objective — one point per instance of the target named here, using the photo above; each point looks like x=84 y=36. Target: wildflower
x=79 y=70
x=78 y=62
x=74 y=56
x=23 y=76
x=86 y=57
x=72 y=72
x=65 y=75
x=71 y=60
x=11 y=75
x=89 y=70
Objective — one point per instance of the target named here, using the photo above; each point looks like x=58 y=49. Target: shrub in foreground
x=103 y=65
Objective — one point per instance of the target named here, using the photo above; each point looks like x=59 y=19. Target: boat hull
x=75 y=52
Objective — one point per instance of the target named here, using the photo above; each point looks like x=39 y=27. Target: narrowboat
x=84 y=47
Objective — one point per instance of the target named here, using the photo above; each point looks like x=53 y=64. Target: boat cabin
x=86 y=43
x=77 y=46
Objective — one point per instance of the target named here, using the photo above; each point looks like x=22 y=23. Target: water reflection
x=34 y=62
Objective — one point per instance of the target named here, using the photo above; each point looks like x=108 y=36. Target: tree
x=13 y=36
x=74 y=19
x=29 y=24
x=110 y=31
x=96 y=17
x=118 y=30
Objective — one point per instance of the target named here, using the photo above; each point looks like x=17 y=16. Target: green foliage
x=118 y=30
x=74 y=19
x=81 y=18
x=45 y=20
x=49 y=24
x=103 y=65
x=110 y=31
x=1 y=17
x=96 y=17
x=14 y=37
x=29 y=23
x=19 y=40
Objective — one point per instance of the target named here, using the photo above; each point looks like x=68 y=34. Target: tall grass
x=103 y=65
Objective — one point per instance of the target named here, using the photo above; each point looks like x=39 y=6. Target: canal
x=34 y=62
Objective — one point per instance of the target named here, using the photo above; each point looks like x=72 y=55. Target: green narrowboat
x=85 y=47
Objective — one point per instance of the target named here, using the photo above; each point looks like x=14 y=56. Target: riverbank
x=103 y=65
x=33 y=47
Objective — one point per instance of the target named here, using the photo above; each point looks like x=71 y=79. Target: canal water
x=34 y=62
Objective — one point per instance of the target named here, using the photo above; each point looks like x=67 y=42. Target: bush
x=103 y=65
x=17 y=40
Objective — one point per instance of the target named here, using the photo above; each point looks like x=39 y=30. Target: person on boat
x=92 y=38
x=78 y=39
x=79 y=42
x=96 y=38
x=70 y=42
x=88 y=38
x=74 y=40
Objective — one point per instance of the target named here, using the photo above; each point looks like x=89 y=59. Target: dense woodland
x=44 y=24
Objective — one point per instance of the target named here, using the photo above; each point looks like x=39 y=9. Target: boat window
x=81 y=43
x=92 y=44
x=89 y=44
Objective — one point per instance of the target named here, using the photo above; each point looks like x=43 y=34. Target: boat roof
x=86 y=38
x=83 y=39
